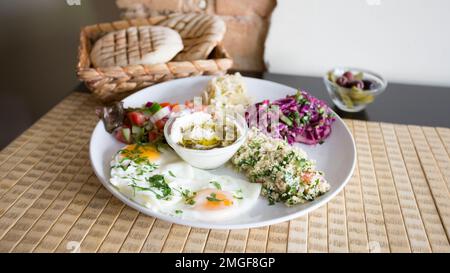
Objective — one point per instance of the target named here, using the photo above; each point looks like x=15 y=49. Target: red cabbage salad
x=298 y=118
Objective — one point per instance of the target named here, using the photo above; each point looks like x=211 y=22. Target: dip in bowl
x=205 y=140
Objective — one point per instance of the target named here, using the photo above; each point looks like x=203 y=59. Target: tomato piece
x=121 y=134
x=136 y=118
x=152 y=136
x=164 y=104
x=177 y=108
x=160 y=123
x=306 y=177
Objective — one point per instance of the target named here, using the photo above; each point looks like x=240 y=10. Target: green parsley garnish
x=216 y=184
x=171 y=174
x=178 y=211
x=296 y=118
x=286 y=120
x=157 y=181
x=213 y=198
x=300 y=98
x=188 y=197
x=138 y=188
x=305 y=119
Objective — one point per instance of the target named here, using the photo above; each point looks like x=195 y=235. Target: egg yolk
x=210 y=199
x=141 y=151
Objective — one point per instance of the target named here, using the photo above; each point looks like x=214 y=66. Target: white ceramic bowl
x=208 y=159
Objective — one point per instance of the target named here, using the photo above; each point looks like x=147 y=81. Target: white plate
x=336 y=157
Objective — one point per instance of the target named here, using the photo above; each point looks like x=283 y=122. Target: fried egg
x=158 y=179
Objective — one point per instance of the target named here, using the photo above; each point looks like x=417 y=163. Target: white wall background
x=404 y=40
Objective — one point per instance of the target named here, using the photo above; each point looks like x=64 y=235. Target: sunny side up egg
x=158 y=179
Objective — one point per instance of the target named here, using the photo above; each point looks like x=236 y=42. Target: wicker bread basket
x=116 y=82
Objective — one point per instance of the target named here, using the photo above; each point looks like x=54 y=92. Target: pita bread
x=136 y=45
x=200 y=33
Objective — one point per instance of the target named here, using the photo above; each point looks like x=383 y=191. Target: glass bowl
x=352 y=99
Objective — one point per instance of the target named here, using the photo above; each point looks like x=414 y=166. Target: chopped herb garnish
x=216 y=184
x=286 y=120
x=300 y=98
x=189 y=197
x=296 y=118
x=136 y=187
x=213 y=198
x=305 y=119
x=157 y=181
x=171 y=174
x=178 y=211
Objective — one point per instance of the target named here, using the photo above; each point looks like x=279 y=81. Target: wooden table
x=397 y=200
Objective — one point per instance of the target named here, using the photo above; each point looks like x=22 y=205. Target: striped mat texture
x=397 y=200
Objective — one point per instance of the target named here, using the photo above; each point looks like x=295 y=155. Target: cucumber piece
x=162 y=113
x=126 y=132
x=137 y=132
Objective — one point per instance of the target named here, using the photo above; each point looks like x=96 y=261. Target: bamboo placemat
x=397 y=200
